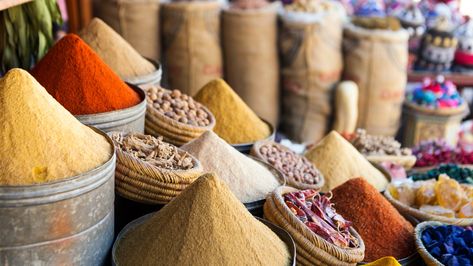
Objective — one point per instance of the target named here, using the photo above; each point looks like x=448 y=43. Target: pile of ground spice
x=153 y=151
x=40 y=141
x=383 y=230
x=117 y=53
x=339 y=161
x=236 y=123
x=248 y=180
x=205 y=225
x=79 y=80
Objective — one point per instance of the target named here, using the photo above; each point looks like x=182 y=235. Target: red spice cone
x=79 y=80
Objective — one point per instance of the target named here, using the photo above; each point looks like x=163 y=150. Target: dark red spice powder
x=79 y=80
x=383 y=230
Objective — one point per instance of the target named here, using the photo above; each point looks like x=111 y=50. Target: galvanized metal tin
x=281 y=233
x=68 y=222
x=246 y=147
x=149 y=80
x=128 y=120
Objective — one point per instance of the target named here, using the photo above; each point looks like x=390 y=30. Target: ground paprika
x=383 y=230
x=79 y=80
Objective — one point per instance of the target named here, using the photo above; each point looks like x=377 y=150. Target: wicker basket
x=172 y=131
x=422 y=216
x=311 y=249
x=428 y=259
x=405 y=161
x=255 y=151
x=142 y=182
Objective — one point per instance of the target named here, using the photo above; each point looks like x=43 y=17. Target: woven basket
x=172 y=131
x=405 y=161
x=140 y=181
x=428 y=259
x=255 y=151
x=422 y=216
x=311 y=249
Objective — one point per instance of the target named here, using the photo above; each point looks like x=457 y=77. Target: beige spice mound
x=248 y=180
x=205 y=225
x=115 y=51
x=40 y=141
x=339 y=161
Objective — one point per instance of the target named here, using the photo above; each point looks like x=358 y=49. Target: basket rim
x=277 y=194
x=419 y=229
x=256 y=153
x=197 y=164
x=171 y=121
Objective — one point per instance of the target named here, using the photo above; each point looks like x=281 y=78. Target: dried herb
x=153 y=151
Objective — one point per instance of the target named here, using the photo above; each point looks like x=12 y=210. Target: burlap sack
x=377 y=61
x=136 y=20
x=250 y=52
x=191 y=44
x=311 y=61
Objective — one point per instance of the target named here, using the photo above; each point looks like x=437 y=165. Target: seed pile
x=80 y=81
x=117 y=53
x=247 y=179
x=377 y=145
x=40 y=141
x=236 y=122
x=294 y=166
x=383 y=230
x=339 y=161
x=204 y=225
x=153 y=151
x=178 y=106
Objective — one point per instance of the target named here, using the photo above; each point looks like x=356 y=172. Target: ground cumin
x=383 y=230
x=235 y=122
x=40 y=141
x=205 y=225
x=79 y=80
x=247 y=179
x=339 y=161
x=117 y=53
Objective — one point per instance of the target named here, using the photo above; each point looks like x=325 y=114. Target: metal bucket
x=131 y=119
x=150 y=80
x=68 y=222
x=281 y=233
x=246 y=147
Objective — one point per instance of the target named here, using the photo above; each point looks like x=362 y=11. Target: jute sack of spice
x=136 y=21
x=376 y=60
x=176 y=116
x=313 y=248
x=191 y=44
x=311 y=58
x=150 y=170
x=249 y=40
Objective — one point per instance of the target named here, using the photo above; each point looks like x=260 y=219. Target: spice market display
x=236 y=132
